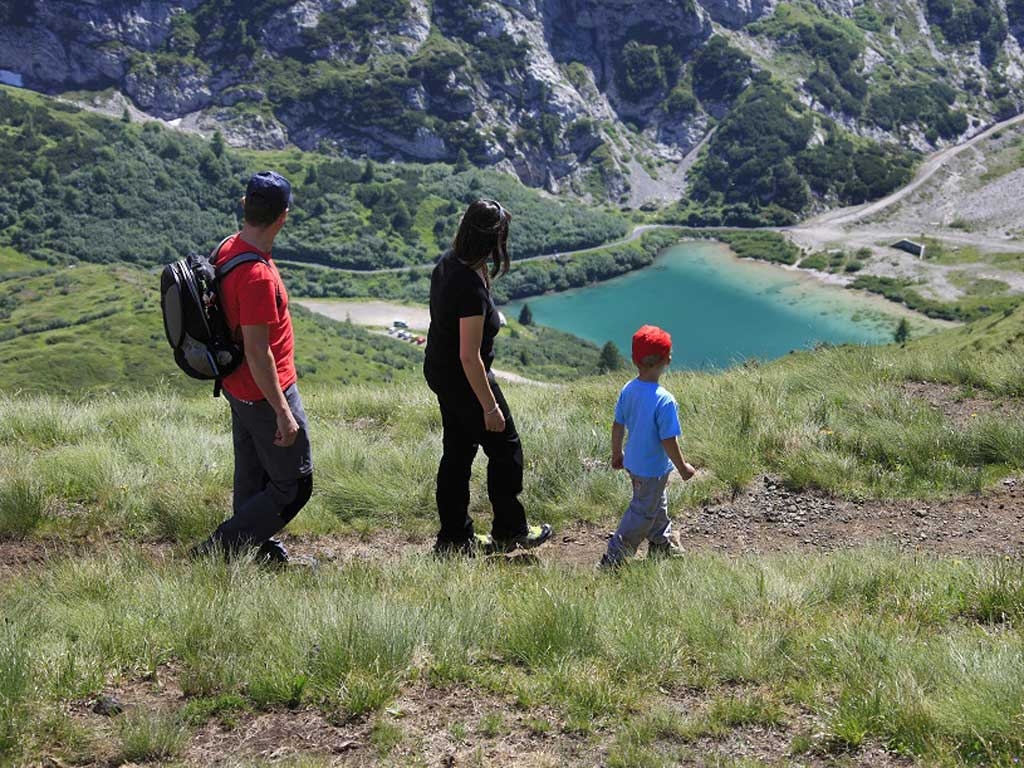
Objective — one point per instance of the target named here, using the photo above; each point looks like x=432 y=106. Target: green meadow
x=112 y=464
x=917 y=655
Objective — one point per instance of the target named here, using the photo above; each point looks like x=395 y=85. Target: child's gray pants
x=645 y=518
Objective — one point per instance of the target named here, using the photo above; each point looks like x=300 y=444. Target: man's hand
x=687 y=470
x=617 y=460
x=287 y=429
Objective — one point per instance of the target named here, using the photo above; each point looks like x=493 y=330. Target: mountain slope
x=600 y=97
x=84 y=186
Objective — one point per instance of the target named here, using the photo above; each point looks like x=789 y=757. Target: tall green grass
x=157 y=465
x=920 y=654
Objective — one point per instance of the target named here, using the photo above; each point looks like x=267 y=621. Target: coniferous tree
x=902 y=332
x=526 y=315
x=610 y=359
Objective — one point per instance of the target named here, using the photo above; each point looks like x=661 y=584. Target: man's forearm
x=264 y=372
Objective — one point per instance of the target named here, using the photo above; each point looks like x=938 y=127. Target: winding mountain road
x=849 y=215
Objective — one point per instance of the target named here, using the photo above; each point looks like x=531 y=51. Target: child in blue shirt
x=647 y=411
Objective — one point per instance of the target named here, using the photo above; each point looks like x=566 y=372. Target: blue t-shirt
x=649 y=414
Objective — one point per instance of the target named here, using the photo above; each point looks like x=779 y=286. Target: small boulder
x=108 y=706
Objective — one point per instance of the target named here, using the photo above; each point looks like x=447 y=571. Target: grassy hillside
x=83 y=187
x=868 y=655
x=85 y=328
x=840 y=419
x=869 y=658
x=89 y=328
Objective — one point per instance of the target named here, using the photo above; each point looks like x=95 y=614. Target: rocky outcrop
x=535 y=86
x=61 y=45
x=737 y=13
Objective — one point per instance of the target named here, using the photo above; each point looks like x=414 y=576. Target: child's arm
x=618 y=432
x=671 y=446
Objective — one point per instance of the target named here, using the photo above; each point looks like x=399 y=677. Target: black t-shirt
x=456 y=291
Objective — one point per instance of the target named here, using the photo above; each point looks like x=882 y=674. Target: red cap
x=651 y=340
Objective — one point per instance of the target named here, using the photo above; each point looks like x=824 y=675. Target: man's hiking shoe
x=665 y=550
x=609 y=563
x=534 y=536
x=273 y=553
x=478 y=544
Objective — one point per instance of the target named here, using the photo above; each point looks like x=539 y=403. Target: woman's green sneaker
x=535 y=536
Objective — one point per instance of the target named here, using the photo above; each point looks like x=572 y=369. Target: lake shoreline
x=737 y=308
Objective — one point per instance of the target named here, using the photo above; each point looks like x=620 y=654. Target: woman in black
x=460 y=349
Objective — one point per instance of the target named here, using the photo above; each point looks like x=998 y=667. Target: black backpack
x=193 y=318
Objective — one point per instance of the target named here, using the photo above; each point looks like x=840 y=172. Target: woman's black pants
x=462 y=419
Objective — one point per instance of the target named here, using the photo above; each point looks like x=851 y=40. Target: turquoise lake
x=720 y=310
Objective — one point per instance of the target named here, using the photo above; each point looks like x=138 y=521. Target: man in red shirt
x=273 y=476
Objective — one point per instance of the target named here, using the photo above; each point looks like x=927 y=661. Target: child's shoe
x=664 y=550
x=534 y=536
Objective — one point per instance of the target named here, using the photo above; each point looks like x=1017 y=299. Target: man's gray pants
x=271 y=483
x=645 y=518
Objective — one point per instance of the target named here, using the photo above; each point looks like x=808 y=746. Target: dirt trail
x=766 y=518
x=926 y=171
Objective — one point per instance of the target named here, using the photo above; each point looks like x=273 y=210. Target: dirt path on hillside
x=766 y=518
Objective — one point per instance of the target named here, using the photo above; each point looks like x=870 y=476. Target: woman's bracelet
x=495 y=409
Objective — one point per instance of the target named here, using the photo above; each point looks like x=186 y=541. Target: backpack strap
x=234 y=261
x=221 y=272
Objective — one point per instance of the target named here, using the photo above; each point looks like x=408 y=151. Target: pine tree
x=610 y=359
x=217 y=143
x=462 y=161
x=902 y=332
x=401 y=220
x=526 y=315
x=367 y=172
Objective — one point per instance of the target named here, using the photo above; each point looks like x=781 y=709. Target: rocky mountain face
x=605 y=98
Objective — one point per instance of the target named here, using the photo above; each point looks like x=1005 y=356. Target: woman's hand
x=494 y=421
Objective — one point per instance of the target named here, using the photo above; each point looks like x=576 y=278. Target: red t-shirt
x=253 y=294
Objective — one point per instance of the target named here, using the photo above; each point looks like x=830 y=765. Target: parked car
x=400 y=324
x=420 y=339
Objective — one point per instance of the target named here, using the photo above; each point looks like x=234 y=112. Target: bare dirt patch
x=272 y=736
x=455 y=726
x=960 y=406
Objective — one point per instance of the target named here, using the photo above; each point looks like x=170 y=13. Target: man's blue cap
x=272 y=187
